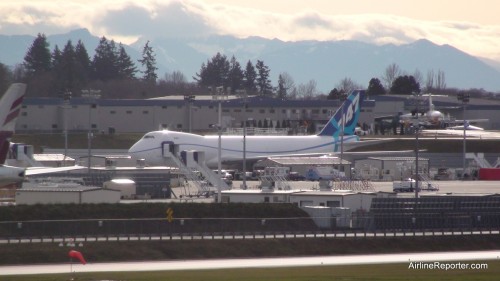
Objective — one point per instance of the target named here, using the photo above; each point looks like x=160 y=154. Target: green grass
x=320 y=273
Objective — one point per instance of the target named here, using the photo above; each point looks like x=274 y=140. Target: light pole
x=219 y=95
x=66 y=101
x=342 y=100
x=91 y=95
x=245 y=152
x=190 y=99
x=464 y=98
x=417 y=96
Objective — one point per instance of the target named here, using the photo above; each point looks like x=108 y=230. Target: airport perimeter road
x=473 y=187
x=253 y=263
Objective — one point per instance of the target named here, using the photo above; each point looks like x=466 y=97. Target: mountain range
x=326 y=62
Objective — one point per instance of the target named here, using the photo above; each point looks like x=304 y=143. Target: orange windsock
x=77 y=255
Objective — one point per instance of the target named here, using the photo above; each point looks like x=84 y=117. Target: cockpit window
x=149 y=137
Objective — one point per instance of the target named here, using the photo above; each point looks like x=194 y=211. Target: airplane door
x=169 y=147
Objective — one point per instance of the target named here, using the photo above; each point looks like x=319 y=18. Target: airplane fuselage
x=150 y=146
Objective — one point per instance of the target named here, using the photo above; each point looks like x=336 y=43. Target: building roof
x=398 y=158
x=52 y=157
x=318 y=160
x=62 y=189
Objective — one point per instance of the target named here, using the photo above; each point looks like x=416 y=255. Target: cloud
x=162 y=20
x=128 y=20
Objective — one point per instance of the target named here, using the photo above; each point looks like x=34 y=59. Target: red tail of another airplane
x=10 y=106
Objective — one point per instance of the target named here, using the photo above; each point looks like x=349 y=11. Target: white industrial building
x=303 y=164
x=355 y=201
x=76 y=195
x=390 y=168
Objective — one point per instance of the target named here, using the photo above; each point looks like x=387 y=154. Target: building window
x=164 y=107
x=237 y=110
x=210 y=107
x=94 y=105
x=24 y=114
x=24 y=126
x=24 y=106
x=262 y=111
x=266 y=199
x=324 y=111
x=283 y=111
x=271 y=110
x=94 y=126
x=316 y=111
x=294 y=110
x=249 y=110
x=145 y=112
x=74 y=106
x=225 y=110
x=333 y=204
x=179 y=126
x=40 y=106
x=129 y=111
x=54 y=126
x=112 y=112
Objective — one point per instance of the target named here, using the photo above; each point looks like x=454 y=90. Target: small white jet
x=10 y=106
x=150 y=146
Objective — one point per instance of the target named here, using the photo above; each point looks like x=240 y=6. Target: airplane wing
x=46 y=170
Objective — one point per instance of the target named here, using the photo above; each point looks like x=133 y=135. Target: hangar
x=61 y=195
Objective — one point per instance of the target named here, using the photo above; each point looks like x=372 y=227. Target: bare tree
x=288 y=81
x=346 y=85
x=419 y=78
x=429 y=83
x=440 y=80
x=391 y=72
x=175 y=77
x=307 y=91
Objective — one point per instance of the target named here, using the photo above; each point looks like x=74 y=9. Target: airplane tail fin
x=351 y=110
x=10 y=106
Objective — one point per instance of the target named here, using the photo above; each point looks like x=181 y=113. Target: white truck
x=409 y=185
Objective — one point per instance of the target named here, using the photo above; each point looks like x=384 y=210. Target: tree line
x=116 y=75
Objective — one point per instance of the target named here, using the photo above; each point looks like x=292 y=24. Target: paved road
x=253 y=263
x=471 y=187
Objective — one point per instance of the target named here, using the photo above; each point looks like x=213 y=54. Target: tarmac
x=456 y=187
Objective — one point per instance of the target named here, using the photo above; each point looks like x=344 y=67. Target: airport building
x=61 y=195
x=172 y=112
x=197 y=113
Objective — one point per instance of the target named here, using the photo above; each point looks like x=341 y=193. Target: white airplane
x=150 y=146
x=467 y=127
x=10 y=106
x=430 y=118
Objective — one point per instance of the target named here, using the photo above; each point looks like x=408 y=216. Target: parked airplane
x=10 y=106
x=150 y=146
x=429 y=118
x=467 y=127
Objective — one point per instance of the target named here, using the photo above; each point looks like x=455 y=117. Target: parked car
x=295 y=176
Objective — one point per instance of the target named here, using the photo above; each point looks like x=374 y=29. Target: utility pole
x=464 y=98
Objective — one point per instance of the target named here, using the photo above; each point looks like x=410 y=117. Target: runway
x=253 y=263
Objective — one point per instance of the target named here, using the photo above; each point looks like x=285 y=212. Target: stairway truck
x=323 y=173
x=407 y=185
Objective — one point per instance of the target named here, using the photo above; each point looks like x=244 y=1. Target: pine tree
x=249 y=78
x=263 y=82
x=104 y=64
x=235 y=79
x=281 y=92
x=66 y=69
x=148 y=61
x=126 y=67
x=83 y=64
x=38 y=58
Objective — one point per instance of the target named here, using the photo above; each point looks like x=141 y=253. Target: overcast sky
x=472 y=26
